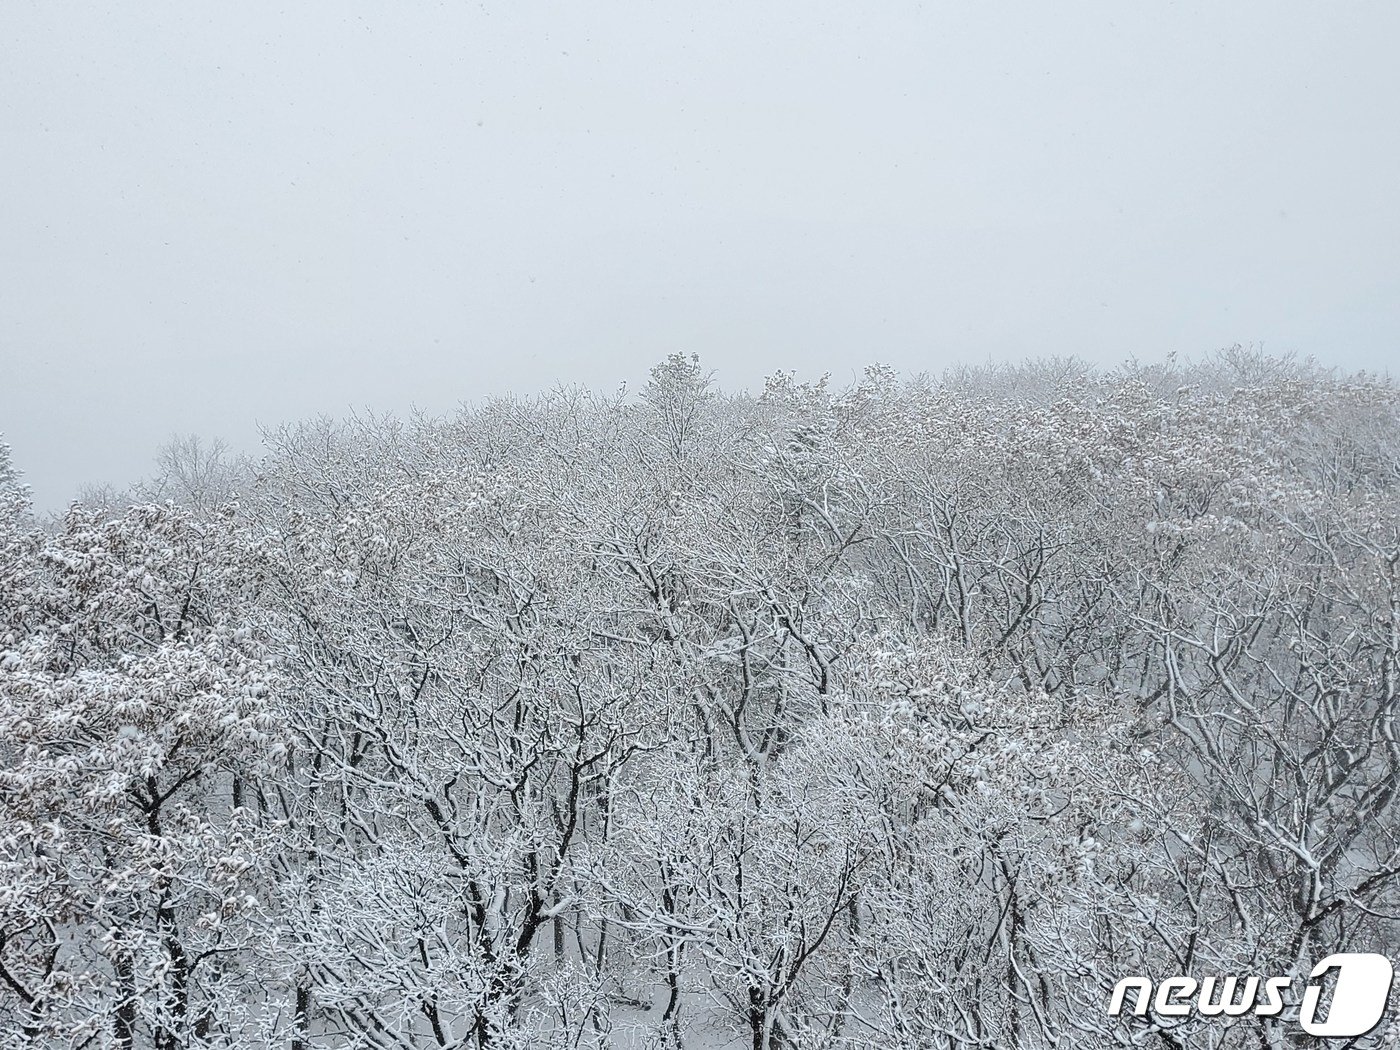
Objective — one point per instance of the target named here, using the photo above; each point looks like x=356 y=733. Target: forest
x=912 y=713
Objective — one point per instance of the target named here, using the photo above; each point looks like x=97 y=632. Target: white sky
x=219 y=215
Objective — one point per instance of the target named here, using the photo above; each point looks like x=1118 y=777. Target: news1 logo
x=1357 y=1003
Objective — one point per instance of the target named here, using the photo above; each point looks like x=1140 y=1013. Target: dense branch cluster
x=913 y=715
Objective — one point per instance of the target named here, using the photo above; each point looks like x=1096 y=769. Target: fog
x=217 y=217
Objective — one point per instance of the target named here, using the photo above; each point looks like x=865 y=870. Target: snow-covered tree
x=132 y=713
x=913 y=713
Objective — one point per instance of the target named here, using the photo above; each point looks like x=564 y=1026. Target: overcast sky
x=220 y=215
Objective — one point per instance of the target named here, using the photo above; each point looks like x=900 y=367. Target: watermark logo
x=1360 y=989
